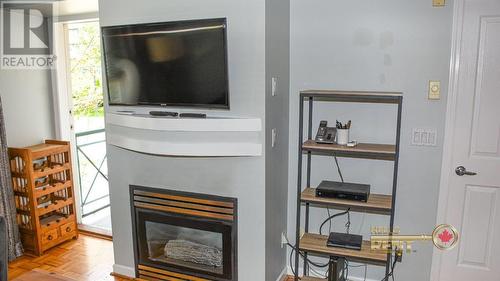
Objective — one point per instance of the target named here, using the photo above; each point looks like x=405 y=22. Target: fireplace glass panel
x=184 y=233
x=187 y=247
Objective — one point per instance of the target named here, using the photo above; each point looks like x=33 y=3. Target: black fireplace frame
x=230 y=262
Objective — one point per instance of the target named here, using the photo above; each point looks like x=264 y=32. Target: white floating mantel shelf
x=209 y=124
x=226 y=137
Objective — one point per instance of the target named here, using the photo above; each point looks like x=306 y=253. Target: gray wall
x=386 y=45
x=240 y=177
x=277 y=65
x=27 y=106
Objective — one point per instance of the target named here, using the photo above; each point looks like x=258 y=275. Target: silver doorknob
x=461 y=171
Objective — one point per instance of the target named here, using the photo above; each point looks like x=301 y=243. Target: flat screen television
x=181 y=63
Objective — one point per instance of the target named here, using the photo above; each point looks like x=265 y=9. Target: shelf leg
x=335 y=269
x=308 y=177
x=299 y=186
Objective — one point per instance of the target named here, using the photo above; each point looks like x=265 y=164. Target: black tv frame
x=174 y=24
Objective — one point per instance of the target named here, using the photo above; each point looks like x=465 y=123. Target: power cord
x=338 y=168
x=347 y=225
x=294 y=249
x=391 y=273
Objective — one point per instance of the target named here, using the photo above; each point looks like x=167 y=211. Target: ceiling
x=72 y=7
x=64 y=7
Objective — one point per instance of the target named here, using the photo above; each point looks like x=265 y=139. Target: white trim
x=283 y=274
x=188 y=149
x=124 y=270
x=447 y=160
x=147 y=122
x=61 y=83
x=91 y=16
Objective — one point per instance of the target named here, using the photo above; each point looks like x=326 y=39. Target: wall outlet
x=274 y=86
x=273 y=137
x=424 y=137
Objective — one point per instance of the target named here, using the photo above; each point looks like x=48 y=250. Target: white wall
x=27 y=106
x=385 y=45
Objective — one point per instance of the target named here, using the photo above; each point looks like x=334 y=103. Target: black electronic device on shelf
x=192 y=115
x=345 y=240
x=164 y=113
x=343 y=190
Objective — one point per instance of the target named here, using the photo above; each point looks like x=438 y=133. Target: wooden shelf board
x=39 y=192
x=51 y=171
x=354 y=96
x=45 y=149
x=56 y=205
x=377 y=203
x=55 y=220
x=316 y=243
x=362 y=150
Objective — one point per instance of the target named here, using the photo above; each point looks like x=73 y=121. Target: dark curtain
x=7 y=206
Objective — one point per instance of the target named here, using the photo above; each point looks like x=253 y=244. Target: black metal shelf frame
x=339 y=96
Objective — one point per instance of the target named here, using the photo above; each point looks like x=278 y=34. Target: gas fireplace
x=184 y=235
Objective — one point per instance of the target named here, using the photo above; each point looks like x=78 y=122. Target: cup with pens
x=343 y=132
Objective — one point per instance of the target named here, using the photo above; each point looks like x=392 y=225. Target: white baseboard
x=282 y=274
x=351 y=278
x=124 y=270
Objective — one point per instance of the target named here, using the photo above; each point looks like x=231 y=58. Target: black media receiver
x=344 y=240
x=343 y=190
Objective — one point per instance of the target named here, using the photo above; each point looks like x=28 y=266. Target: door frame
x=449 y=133
x=61 y=88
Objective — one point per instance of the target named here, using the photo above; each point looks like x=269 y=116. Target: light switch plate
x=424 y=137
x=434 y=90
x=438 y=3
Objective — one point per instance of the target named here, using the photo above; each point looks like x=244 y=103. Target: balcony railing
x=92 y=171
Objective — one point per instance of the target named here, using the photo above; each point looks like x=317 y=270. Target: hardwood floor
x=85 y=259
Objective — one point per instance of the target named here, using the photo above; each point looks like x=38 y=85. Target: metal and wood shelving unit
x=43 y=191
x=376 y=204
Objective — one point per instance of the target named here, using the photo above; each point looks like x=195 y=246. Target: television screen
x=167 y=64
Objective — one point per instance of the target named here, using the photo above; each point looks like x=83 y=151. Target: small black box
x=344 y=240
x=346 y=190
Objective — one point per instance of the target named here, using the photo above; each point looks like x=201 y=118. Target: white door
x=473 y=201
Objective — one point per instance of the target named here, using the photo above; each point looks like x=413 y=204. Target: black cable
x=330 y=222
x=307 y=259
x=291 y=261
x=333 y=216
x=338 y=168
x=391 y=274
x=348 y=223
